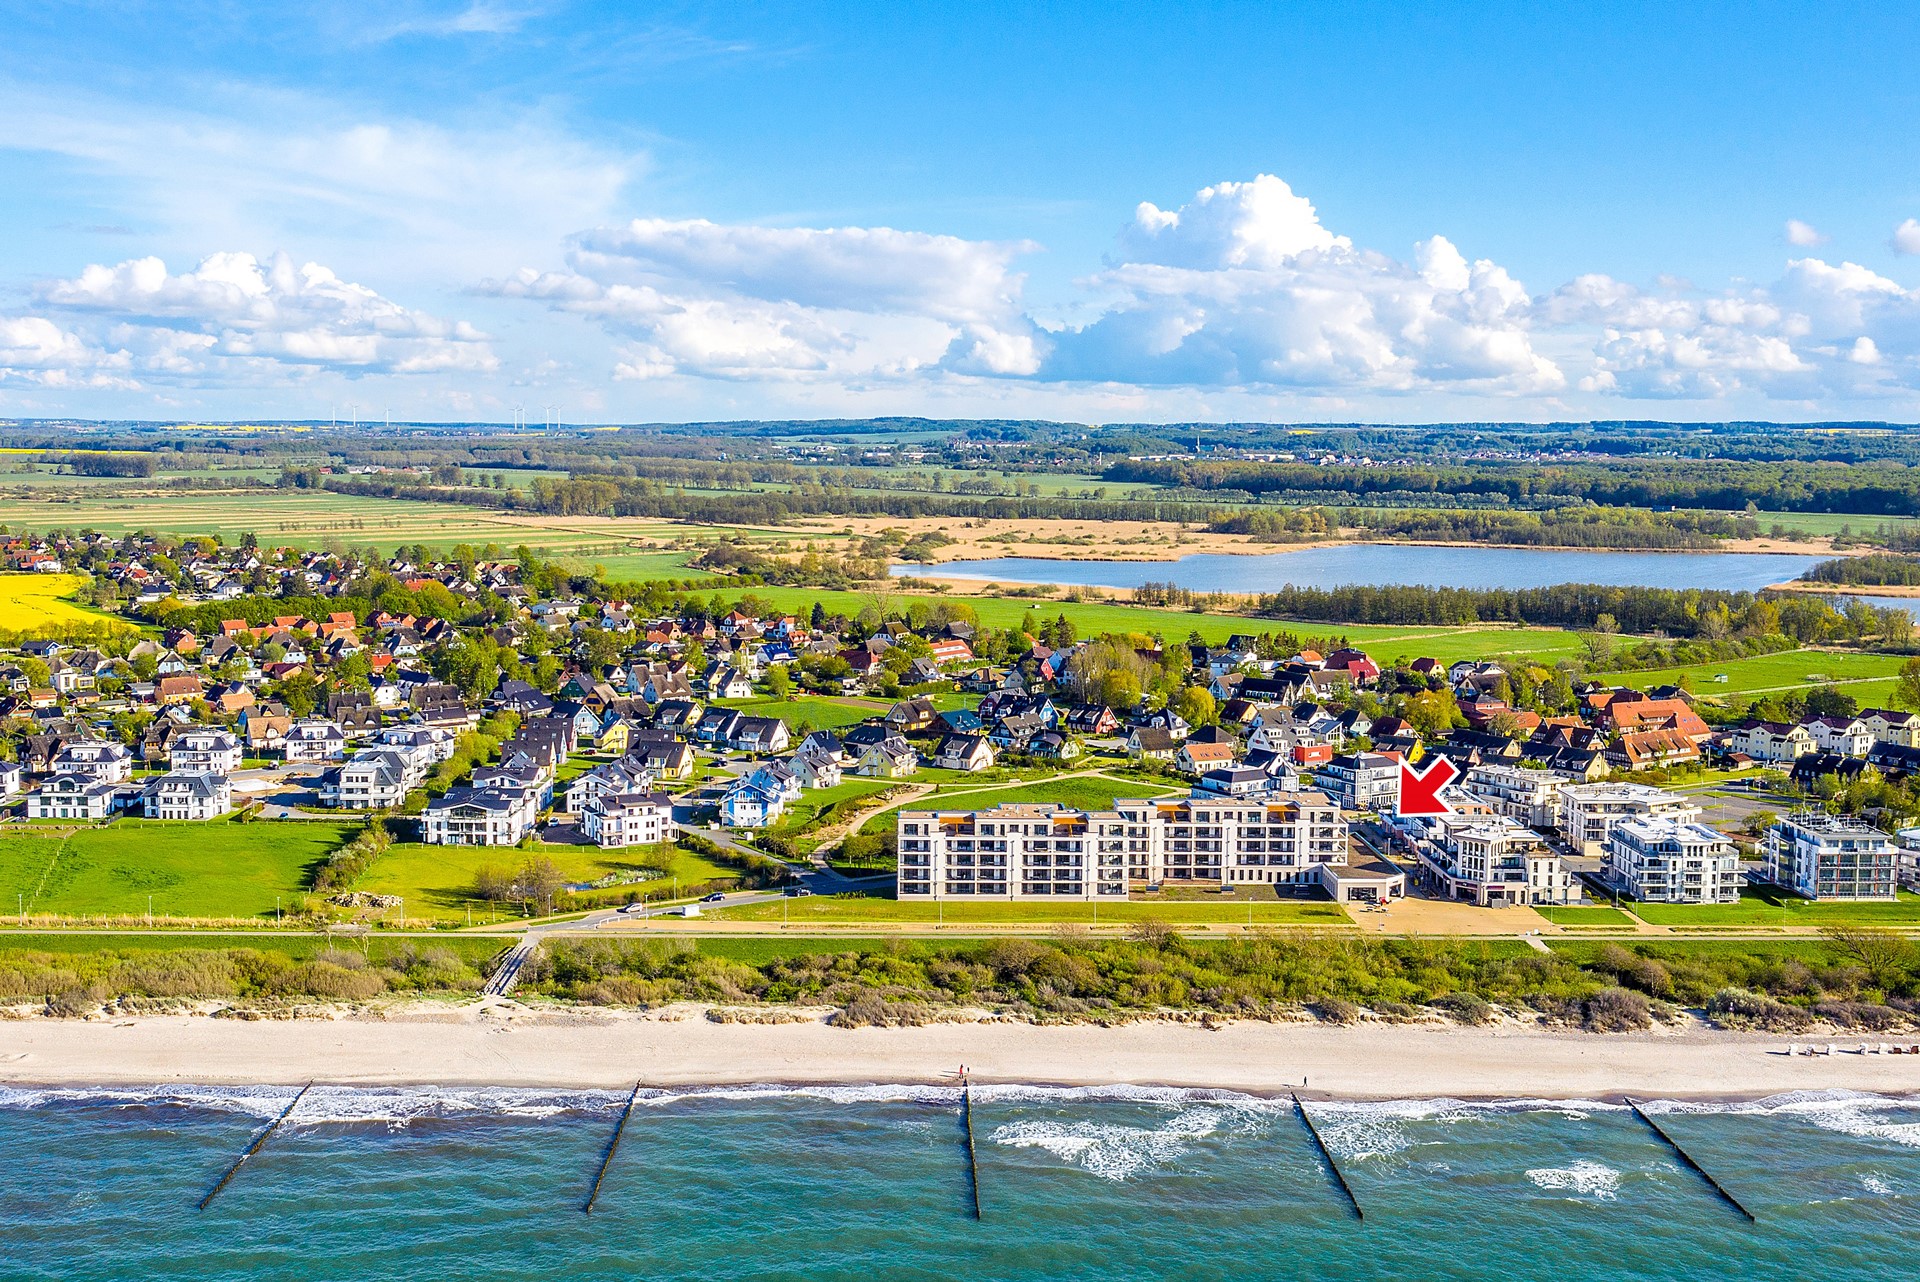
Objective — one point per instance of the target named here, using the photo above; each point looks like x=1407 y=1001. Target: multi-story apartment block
x=1362 y=780
x=1662 y=862
x=1588 y=811
x=315 y=739
x=204 y=751
x=480 y=817
x=188 y=795
x=1531 y=797
x=74 y=797
x=1822 y=856
x=1034 y=851
x=1487 y=859
x=627 y=818
x=100 y=760
x=380 y=775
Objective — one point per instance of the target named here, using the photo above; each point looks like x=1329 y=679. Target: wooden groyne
x=973 y=1158
x=259 y=1142
x=1327 y=1153
x=613 y=1145
x=1687 y=1159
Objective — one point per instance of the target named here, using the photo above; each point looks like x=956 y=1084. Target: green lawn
x=1776 y=908
x=1859 y=675
x=436 y=883
x=822 y=910
x=217 y=869
x=1586 y=916
x=814 y=805
x=820 y=712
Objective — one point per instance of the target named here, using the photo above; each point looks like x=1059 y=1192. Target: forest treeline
x=1721 y=484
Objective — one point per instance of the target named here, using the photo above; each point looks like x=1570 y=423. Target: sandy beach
x=512 y=1046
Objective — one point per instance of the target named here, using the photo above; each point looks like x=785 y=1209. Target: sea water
x=872 y=1183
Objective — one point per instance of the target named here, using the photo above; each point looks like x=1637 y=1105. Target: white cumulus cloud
x=1244 y=286
x=1805 y=235
x=714 y=300
x=235 y=315
x=1906 y=237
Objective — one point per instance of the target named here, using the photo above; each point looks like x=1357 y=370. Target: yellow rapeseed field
x=31 y=601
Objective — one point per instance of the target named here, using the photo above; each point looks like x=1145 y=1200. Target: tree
x=1884 y=955
x=539 y=881
x=779 y=684
x=1906 y=687
x=1432 y=713
x=1198 y=706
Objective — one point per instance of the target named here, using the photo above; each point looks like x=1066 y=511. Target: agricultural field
x=33 y=601
x=311 y=518
x=203 y=870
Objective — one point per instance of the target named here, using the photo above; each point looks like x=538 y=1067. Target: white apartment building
x=1487 y=859
x=1362 y=780
x=627 y=775
x=1025 y=851
x=100 y=760
x=1659 y=861
x=627 y=818
x=1531 y=797
x=376 y=778
x=315 y=739
x=479 y=817
x=1588 y=811
x=1822 y=856
x=206 y=751
x=197 y=795
x=73 y=797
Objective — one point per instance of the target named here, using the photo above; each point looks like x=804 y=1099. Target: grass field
x=1090 y=617
x=1775 y=908
x=1586 y=916
x=822 y=713
x=1864 y=676
x=822 y=910
x=33 y=601
x=217 y=869
x=436 y=883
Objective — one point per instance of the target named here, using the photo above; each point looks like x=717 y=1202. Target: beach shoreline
x=506 y=1045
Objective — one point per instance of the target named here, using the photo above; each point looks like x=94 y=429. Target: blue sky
x=447 y=210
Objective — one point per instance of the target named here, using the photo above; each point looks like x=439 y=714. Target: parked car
x=795 y=892
x=714 y=898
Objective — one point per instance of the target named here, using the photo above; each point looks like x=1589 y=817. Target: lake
x=1382 y=564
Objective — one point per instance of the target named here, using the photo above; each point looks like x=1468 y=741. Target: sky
x=483 y=210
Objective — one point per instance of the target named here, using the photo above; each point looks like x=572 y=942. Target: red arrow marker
x=1420 y=791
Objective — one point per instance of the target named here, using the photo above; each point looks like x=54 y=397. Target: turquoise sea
x=871 y=1183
